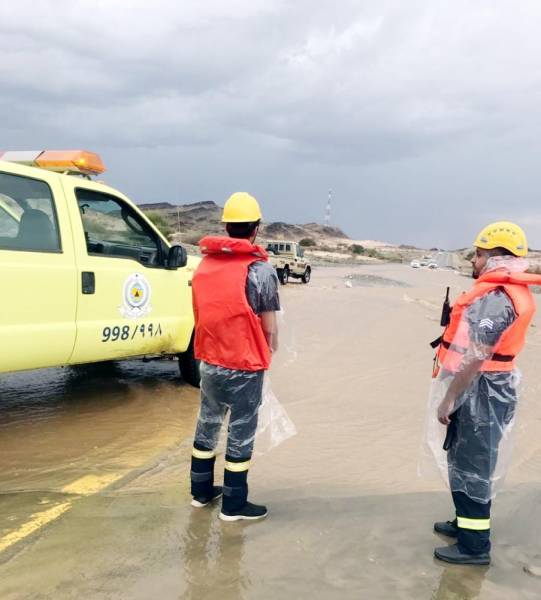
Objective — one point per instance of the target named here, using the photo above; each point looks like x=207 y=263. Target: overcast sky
x=423 y=117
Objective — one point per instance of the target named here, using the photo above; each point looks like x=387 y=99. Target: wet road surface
x=94 y=472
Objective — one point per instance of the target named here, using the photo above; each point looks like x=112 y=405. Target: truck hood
x=192 y=264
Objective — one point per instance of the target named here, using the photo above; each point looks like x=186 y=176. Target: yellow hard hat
x=503 y=234
x=241 y=208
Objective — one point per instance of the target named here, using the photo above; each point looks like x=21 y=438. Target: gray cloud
x=411 y=111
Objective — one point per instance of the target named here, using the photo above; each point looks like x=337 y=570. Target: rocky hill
x=187 y=223
x=284 y=231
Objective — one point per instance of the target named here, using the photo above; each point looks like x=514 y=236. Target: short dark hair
x=501 y=252
x=242 y=230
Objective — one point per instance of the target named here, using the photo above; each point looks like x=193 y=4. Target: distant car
x=432 y=265
x=425 y=261
x=415 y=264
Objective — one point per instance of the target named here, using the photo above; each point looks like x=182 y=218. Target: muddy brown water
x=349 y=517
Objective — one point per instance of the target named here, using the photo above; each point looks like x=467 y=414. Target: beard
x=474 y=274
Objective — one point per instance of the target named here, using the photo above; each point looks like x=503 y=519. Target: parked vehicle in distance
x=415 y=264
x=288 y=260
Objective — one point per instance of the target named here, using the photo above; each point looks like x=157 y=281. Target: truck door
x=299 y=259
x=37 y=266
x=130 y=304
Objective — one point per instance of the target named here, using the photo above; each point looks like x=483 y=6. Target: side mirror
x=177 y=258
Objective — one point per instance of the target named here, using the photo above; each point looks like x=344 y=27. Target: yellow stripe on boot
x=473 y=524
x=237 y=467
x=203 y=454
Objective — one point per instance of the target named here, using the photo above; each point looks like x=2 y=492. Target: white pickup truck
x=288 y=260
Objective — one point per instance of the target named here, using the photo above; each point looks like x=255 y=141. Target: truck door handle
x=88 y=280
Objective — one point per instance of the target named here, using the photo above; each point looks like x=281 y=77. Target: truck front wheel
x=283 y=275
x=189 y=366
x=306 y=275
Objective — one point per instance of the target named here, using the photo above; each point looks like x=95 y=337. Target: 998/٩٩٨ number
x=124 y=333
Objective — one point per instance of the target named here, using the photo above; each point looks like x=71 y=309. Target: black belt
x=497 y=357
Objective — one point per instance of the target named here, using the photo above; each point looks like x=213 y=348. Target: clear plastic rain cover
x=257 y=420
x=254 y=412
x=473 y=452
x=274 y=426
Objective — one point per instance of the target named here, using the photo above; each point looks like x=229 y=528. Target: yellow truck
x=86 y=276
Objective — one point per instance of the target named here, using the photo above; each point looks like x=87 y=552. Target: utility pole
x=327 y=221
x=178 y=209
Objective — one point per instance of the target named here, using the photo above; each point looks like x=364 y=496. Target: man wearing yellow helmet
x=474 y=391
x=235 y=295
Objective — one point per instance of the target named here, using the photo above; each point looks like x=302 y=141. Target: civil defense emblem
x=135 y=297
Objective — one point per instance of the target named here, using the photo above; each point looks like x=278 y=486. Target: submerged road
x=94 y=469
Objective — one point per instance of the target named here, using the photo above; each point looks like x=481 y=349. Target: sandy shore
x=350 y=518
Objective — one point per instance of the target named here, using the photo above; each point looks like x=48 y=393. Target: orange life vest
x=456 y=339
x=227 y=331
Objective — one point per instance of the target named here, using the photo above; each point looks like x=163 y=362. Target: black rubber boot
x=448 y=528
x=235 y=490
x=472 y=541
x=235 y=505
x=249 y=512
x=201 y=501
x=202 y=477
x=452 y=554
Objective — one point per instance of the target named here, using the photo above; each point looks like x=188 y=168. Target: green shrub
x=373 y=253
x=370 y=252
x=307 y=242
x=161 y=223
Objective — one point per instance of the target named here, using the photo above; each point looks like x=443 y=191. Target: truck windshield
x=114 y=229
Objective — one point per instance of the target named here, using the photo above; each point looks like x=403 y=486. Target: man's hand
x=445 y=408
x=459 y=384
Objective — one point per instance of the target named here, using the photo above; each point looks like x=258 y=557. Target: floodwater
x=94 y=469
